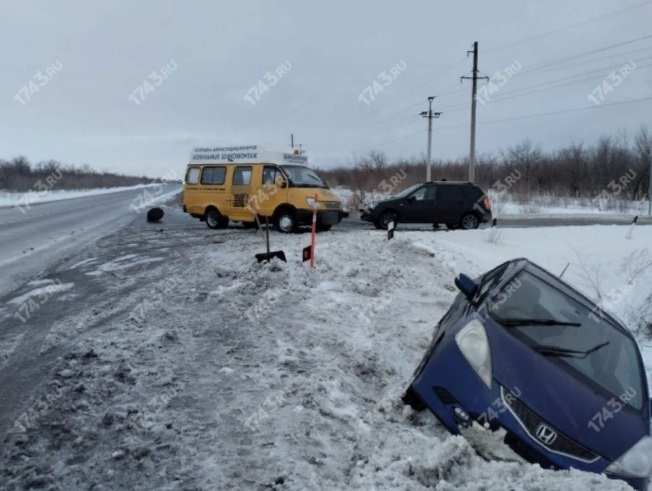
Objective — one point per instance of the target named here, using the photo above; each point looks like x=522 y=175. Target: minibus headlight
x=474 y=345
x=312 y=202
x=636 y=462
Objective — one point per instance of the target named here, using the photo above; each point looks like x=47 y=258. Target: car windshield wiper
x=537 y=322
x=566 y=352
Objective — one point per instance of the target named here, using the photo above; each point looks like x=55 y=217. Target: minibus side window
x=213 y=175
x=192 y=177
x=269 y=174
x=242 y=176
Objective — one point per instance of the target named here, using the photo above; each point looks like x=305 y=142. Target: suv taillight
x=486 y=202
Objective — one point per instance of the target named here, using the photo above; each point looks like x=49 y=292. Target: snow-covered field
x=9 y=198
x=206 y=370
x=505 y=205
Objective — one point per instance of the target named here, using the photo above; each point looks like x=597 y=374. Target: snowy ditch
x=247 y=376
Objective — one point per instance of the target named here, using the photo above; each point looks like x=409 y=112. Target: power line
x=554 y=113
x=569 y=26
x=542 y=66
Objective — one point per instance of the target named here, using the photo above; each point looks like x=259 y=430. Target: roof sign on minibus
x=246 y=153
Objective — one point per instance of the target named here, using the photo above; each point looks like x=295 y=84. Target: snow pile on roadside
x=10 y=198
x=226 y=373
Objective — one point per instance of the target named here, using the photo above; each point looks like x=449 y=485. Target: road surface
x=37 y=236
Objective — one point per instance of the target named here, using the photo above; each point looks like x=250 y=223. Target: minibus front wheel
x=214 y=219
x=285 y=220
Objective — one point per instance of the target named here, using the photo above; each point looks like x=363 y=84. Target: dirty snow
x=210 y=371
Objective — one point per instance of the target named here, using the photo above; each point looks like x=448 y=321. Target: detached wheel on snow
x=215 y=220
x=285 y=221
x=470 y=222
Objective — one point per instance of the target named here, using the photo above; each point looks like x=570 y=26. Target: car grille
x=531 y=422
x=331 y=205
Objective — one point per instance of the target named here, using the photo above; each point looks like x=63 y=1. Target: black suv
x=456 y=204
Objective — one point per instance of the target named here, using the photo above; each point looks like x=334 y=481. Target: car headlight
x=472 y=342
x=636 y=462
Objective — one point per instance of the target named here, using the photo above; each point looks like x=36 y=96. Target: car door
x=241 y=185
x=270 y=194
x=419 y=206
x=450 y=203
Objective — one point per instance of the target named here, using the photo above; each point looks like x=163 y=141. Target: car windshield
x=559 y=324
x=303 y=177
x=408 y=191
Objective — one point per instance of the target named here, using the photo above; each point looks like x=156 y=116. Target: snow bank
x=9 y=198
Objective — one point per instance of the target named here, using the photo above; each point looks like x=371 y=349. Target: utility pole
x=291 y=140
x=474 y=91
x=430 y=115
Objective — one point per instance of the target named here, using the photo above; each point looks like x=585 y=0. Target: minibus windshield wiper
x=566 y=352
x=536 y=322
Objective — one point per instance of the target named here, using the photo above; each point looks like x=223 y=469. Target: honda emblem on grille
x=545 y=434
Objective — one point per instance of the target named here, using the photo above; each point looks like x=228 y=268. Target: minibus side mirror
x=280 y=182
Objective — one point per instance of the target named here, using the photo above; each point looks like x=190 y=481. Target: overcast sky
x=86 y=105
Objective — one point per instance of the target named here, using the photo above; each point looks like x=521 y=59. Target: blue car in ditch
x=522 y=354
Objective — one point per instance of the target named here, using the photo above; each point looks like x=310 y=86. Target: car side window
x=192 y=176
x=242 y=176
x=213 y=175
x=269 y=174
x=420 y=194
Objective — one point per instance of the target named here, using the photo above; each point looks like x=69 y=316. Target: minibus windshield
x=303 y=177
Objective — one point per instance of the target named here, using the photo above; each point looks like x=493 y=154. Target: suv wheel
x=388 y=216
x=285 y=221
x=470 y=221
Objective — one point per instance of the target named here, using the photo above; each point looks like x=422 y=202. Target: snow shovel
x=269 y=255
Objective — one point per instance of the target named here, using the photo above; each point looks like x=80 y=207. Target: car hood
x=564 y=402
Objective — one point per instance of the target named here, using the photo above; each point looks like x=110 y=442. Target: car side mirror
x=466 y=285
x=280 y=182
x=410 y=199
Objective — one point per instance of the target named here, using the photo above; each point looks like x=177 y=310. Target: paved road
x=46 y=232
